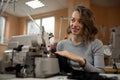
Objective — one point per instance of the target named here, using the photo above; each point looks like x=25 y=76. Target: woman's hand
x=71 y=56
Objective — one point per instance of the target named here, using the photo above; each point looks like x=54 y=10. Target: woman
x=83 y=49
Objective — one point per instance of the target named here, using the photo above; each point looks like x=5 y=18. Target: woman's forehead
x=76 y=15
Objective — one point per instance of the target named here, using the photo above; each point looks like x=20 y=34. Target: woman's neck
x=76 y=39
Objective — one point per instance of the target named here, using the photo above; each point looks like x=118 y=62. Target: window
x=2 y=30
x=34 y=27
x=47 y=23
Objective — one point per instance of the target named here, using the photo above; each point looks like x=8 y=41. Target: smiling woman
x=83 y=51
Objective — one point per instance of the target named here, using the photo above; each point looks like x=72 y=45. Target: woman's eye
x=73 y=20
x=80 y=21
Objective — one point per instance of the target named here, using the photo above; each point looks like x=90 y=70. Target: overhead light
x=35 y=4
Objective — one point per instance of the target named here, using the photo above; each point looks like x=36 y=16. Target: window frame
x=41 y=19
x=2 y=32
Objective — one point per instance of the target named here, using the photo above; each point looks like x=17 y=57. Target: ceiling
x=20 y=9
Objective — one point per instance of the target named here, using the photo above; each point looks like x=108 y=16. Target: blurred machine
x=28 y=56
x=115 y=43
x=112 y=51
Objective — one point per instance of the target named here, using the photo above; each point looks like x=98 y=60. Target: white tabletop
x=12 y=77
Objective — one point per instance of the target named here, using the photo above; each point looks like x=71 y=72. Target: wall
x=73 y=3
x=12 y=28
x=109 y=17
x=2 y=48
x=114 y=16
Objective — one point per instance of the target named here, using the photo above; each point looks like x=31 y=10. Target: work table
x=12 y=77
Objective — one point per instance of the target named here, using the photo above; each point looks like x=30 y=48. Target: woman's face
x=75 y=24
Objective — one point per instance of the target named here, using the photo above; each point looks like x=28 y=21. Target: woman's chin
x=75 y=33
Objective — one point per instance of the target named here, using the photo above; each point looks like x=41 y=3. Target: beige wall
x=2 y=48
x=108 y=17
x=12 y=27
x=73 y=3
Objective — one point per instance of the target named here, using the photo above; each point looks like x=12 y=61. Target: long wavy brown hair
x=88 y=21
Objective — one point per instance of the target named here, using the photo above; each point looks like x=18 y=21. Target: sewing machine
x=28 y=56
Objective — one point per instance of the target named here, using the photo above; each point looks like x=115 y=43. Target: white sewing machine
x=33 y=54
